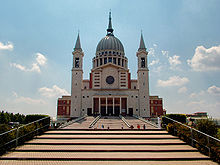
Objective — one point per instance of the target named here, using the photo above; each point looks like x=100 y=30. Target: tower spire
x=142 y=45
x=110 y=30
x=78 y=45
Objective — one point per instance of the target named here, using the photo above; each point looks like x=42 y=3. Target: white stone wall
x=109 y=71
x=76 y=93
x=85 y=84
x=143 y=85
x=76 y=84
x=134 y=84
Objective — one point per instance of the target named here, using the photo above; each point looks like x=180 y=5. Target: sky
x=182 y=37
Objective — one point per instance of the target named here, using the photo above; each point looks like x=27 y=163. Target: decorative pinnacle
x=78 y=45
x=110 y=30
x=142 y=45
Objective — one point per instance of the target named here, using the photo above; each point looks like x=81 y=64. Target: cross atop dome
x=110 y=29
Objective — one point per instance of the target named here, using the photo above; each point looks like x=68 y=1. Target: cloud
x=40 y=61
x=182 y=90
x=35 y=67
x=165 y=53
x=197 y=95
x=173 y=81
x=152 y=52
x=205 y=59
x=27 y=100
x=8 y=46
x=214 y=90
x=197 y=105
x=155 y=45
x=55 y=91
x=174 y=61
x=18 y=66
x=154 y=62
x=204 y=106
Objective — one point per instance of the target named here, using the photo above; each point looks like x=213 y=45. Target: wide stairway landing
x=69 y=146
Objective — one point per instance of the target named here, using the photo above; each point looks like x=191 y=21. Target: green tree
x=207 y=126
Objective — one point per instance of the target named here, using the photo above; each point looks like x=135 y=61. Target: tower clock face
x=110 y=80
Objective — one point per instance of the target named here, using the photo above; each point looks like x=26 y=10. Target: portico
x=109 y=105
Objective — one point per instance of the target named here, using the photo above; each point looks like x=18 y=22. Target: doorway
x=130 y=111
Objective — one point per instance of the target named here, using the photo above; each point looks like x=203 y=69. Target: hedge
x=34 y=117
x=178 y=117
x=26 y=132
x=184 y=133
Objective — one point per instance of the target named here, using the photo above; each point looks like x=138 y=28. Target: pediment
x=110 y=65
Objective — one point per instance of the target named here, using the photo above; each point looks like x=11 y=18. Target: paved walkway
x=133 y=121
x=82 y=124
x=113 y=122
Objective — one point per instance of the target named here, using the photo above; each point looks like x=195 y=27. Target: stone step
x=104 y=142
x=106 y=162
x=106 y=133
x=104 y=156
x=107 y=137
x=105 y=129
x=159 y=148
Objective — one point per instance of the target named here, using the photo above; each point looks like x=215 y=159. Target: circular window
x=110 y=80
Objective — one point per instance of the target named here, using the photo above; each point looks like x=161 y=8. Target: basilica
x=110 y=90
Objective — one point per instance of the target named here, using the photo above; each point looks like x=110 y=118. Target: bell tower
x=143 y=80
x=77 y=79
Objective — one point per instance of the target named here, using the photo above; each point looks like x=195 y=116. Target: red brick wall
x=62 y=107
x=157 y=106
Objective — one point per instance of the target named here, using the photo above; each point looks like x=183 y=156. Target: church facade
x=110 y=90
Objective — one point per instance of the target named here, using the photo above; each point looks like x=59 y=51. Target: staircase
x=101 y=146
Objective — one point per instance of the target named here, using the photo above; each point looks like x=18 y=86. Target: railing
x=94 y=121
x=148 y=122
x=72 y=121
x=19 y=135
x=125 y=121
x=196 y=138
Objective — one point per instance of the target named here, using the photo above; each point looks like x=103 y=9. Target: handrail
x=207 y=145
x=125 y=121
x=23 y=126
x=140 y=118
x=94 y=121
x=192 y=128
x=16 y=139
x=72 y=121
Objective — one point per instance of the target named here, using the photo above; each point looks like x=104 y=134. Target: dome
x=110 y=42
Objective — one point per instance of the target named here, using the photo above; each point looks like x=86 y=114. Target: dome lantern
x=110 y=42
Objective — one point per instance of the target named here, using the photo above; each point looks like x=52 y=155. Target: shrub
x=178 y=117
x=6 y=117
x=201 y=141
x=207 y=126
x=218 y=135
x=31 y=118
x=25 y=132
x=4 y=128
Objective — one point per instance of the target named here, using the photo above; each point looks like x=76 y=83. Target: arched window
x=142 y=62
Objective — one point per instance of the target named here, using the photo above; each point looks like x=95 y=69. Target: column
x=106 y=106
x=92 y=106
x=99 y=105
x=120 y=105
x=113 y=106
x=127 y=107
